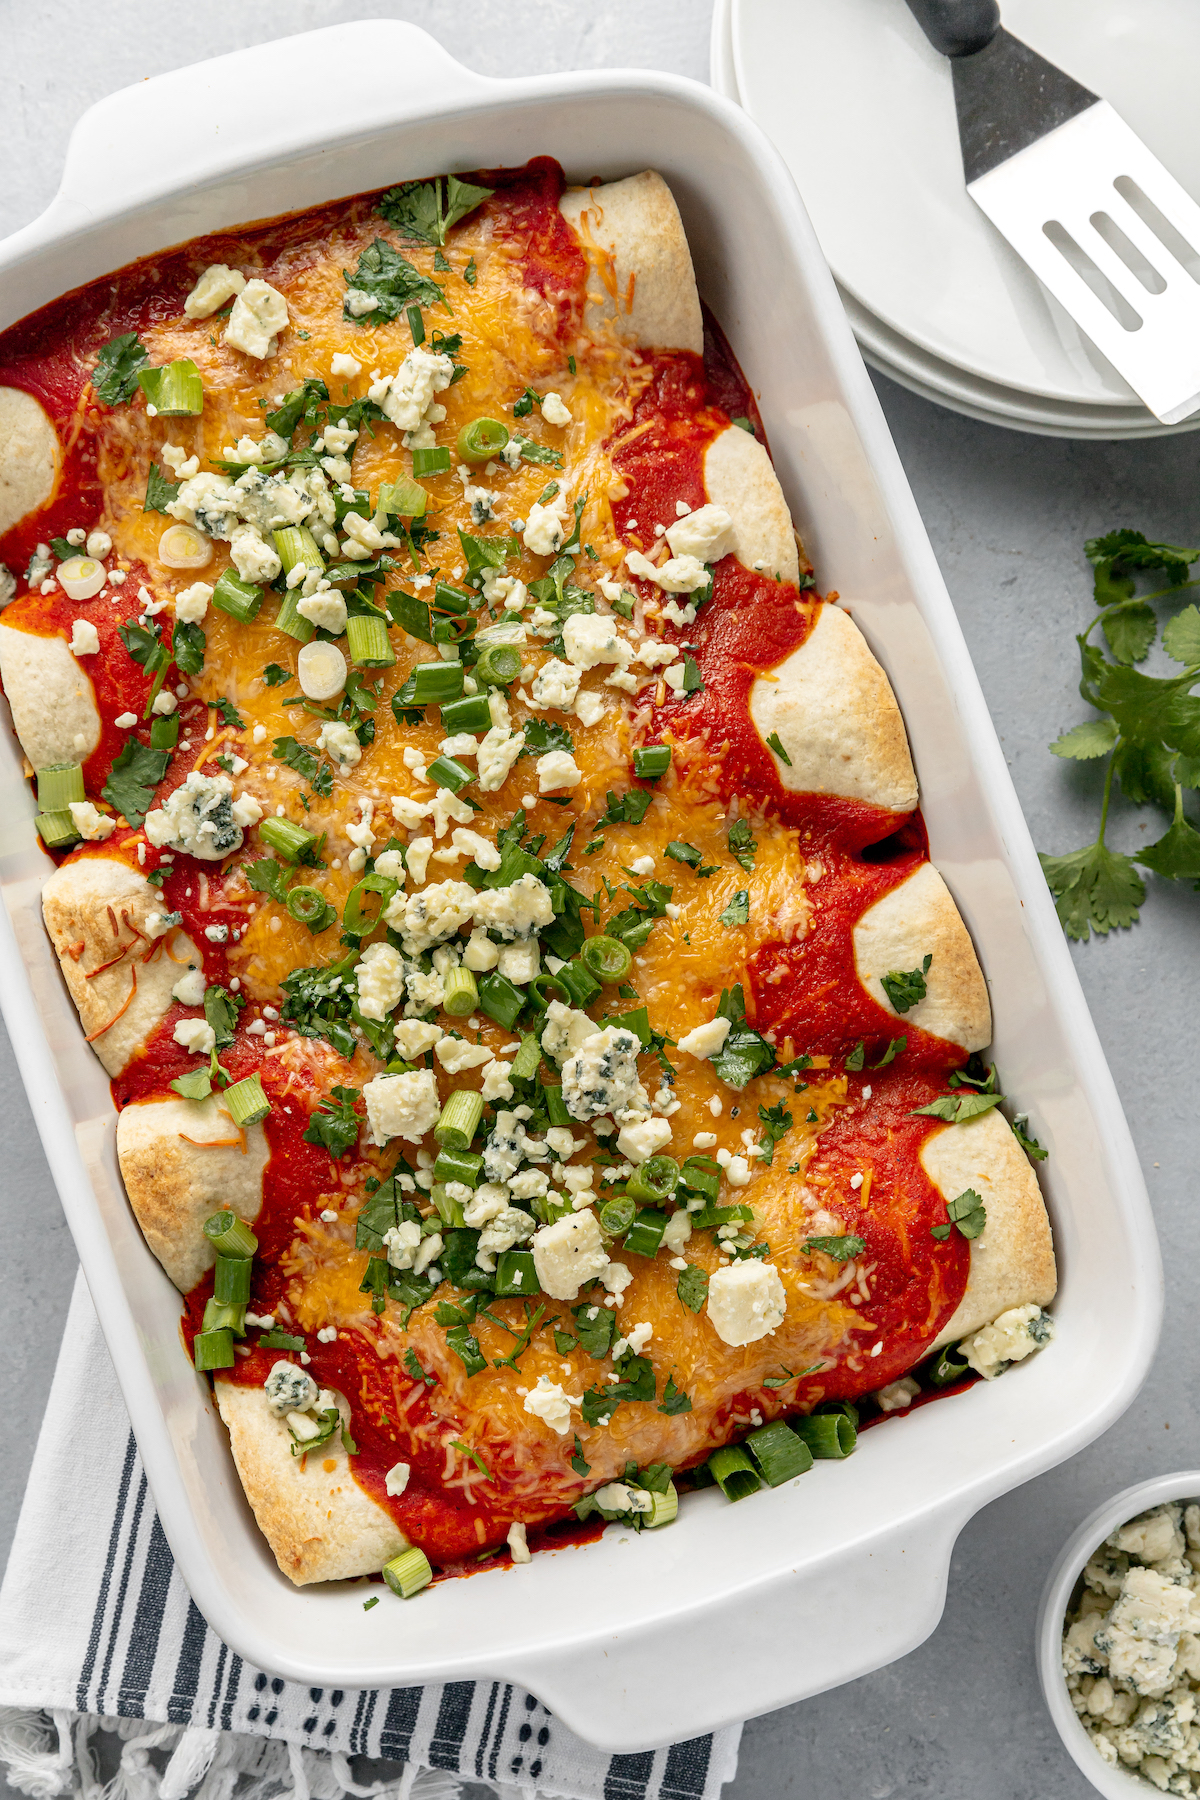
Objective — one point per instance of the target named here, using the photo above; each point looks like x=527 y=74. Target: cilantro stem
x=1139 y=600
x=1108 y=781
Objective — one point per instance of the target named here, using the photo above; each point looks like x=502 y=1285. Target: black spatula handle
x=957 y=27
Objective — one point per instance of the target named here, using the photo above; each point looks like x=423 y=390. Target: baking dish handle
x=196 y=125
x=792 y=1637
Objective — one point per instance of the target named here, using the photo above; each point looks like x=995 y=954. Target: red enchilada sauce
x=805 y=990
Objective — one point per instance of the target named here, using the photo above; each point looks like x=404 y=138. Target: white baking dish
x=727 y=1613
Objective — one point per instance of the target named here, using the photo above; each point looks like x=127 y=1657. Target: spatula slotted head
x=1098 y=219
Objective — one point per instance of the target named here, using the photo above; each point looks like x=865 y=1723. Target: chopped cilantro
x=427 y=210
x=306 y=763
x=967 y=1211
x=774 y=743
x=838 y=1249
x=745 y=1052
x=133 y=778
x=577 y=1462
x=335 y=1124
x=741 y=844
x=115 y=376
x=393 y=283
x=471 y=273
x=674 y=1400
x=159 y=491
x=776 y=1124
x=692 y=1287
x=275 y=676
x=738 y=910
x=689 y=854
x=906 y=988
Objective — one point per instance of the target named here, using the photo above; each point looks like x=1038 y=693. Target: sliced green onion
x=436 y=684
x=617 y=1215
x=826 y=1434
x=663 y=1509
x=528 y=1059
x=354 y=914
x=294 y=623
x=498 y=665
x=556 y=1106
x=240 y=599
x=482 y=439
x=779 y=1453
x=229 y=1235
x=451 y=631
x=947 y=1367
x=544 y=988
x=469 y=714
x=368 y=643
x=655 y=1180
x=225 y=1315
x=307 y=905
x=296 y=544
x=460 y=1119
x=607 y=958
x=459 y=1165
x=175 y=391
x=408 y=1573
x=462 y=993
x=580 y=983
x=651 y=761
x=246 y=1102
x=431 y=462
x=416 y=324
x=449 y=1210
x=646 y=1234
x=500 y=1000
x=56 y=830
x=701 y=1175
x=448 y=772
x=213 y=1350
x=291 y=840
x=733 y=1472
x=515 y=1273
x=449 y=599
x=58 y=784
x=403 y=498
x=231 y=1281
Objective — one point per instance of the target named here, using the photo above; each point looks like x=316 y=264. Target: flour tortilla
x=30 y=456
x=182 y=1161
x=53 y=706
x=1012 y=1259
x=640 y=273
x=95 y=905
x=738 y=476
x=318 y=1521
x=918 y=919
x=835 y=714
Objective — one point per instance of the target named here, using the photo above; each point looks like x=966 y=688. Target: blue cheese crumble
x=1131 y=1648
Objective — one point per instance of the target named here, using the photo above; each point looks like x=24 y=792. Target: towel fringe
x=48 y=1756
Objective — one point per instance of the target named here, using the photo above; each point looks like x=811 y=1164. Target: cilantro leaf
x=1130 y=632
x=745 y=1052
x=416 y=1371
x=738 y=910
x=895 y=1047
x=275 y=676
x=674 y=1401
x=159 y=491
x=306 y=763
x=133 y=778
x=188 y=644
x=741 y=844
x=1126 y=550
x=595 y=1334
x=427 y=210
x=692 y=1287
x=267 y=876
x=1095 y=737
x=1176 y=855
x=195 y=1085
x=543 y=734
x=1094 y=889
x=906 y=988
x=1144 y=772
x=967 y=1211
x=221 y=1009
x=1181 y=636
x=392 y=282
x=335 y=1124
x=691 y=856
x=838 y=1249
x=630 y=809
x=229 y=713
x=115 y=376
x=957 y=1108
x=775 y=743
x=776 y=1124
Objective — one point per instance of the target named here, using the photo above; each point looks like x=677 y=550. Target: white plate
x=726 y=1613
x=915 y=258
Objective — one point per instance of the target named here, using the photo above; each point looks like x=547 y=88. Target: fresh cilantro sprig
x=427 y=210
x=1147 y=731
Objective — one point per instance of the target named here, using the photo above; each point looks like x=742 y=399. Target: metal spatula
x=1080 y=199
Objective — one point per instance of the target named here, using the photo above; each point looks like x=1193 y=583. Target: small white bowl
x=1115 y=1782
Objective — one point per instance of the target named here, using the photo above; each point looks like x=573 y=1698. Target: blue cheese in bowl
x=1131 y=1647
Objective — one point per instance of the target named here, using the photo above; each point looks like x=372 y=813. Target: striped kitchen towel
x=99 y=1636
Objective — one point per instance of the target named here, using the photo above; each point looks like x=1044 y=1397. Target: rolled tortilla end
x=53 y=704
x=1012 y=1259
x=915 y=920
x=319 y=1523
x=738 y=475
x=30 y=457
x=640 y=274
x=832 y=708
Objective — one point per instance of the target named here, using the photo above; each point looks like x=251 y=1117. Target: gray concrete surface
x=961 y=1716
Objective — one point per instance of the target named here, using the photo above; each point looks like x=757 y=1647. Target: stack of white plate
x=862 y=110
